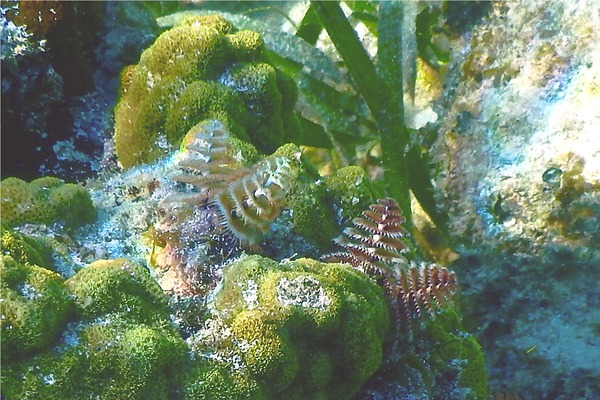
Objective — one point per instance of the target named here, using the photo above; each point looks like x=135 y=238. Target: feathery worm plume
x=424 y=287
x=374 y=246
x=374 y=243
x=250 y=203
x=207 y=162
x=247 y=199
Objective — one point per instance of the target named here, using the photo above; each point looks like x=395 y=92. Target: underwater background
x=311 y=200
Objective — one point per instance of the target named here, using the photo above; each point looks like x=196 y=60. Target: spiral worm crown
x=374 y=246
x=248 y=199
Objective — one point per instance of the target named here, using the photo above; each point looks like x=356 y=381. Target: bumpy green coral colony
x=298 y=330
x=35 y=307
x=45 y=201
x=202 y=69
x=117 y=344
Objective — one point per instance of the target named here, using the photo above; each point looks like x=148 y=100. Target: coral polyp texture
x=323 y=205
x=45 y=201
x=35 y=307
x=299 y=330
x=295 y=330
x=203 y=68
x=248 y=199
x=104 y=333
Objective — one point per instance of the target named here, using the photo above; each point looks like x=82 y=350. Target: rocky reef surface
x=519 y=154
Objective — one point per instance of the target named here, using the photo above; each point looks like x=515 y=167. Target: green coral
x=45 y=201
x=121 y=347
x=300 y=329
x=352 y=191
x=312 y=212
x=296 y=329
x=201 y=69
x=108 y=358
x=200 y=101
x=25 y=249
x=454 y=347
x=450 y=361
x=117 y=286
x=323 y=207
x=442 y=361
x=35 y=306
x=212 y=378
x=47 y=251
x=314 y=217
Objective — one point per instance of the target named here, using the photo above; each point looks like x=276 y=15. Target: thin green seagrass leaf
x=287 y=65
x=335 y=110
x=345 y=101
x=363 y=6
x=313 y=134
x=426 y=22
x=365 y=12
x=333 y=119
x=352 y=141
x=355 y=57
x=394 y=136
x=368 y=19
x=310 y=27
x=419 y=181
